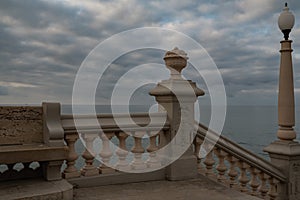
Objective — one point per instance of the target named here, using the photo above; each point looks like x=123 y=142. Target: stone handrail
x=108 y=122
x=106 y=129
x=257 y=176
x=243 y=154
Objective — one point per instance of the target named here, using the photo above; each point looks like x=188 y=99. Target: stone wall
x=20 y=125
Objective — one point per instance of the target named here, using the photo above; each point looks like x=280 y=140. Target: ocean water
x=252 y=127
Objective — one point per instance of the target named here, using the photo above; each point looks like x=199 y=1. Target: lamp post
x=286 y=105
x=285 y=152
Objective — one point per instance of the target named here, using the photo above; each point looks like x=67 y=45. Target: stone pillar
x=285 y=152
x=177 y=97
x=53 y=134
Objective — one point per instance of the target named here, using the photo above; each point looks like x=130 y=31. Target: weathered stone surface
x=200 y=188
x=20 y=125
x=36 y=189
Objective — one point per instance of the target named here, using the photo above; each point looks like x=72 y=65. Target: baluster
x=152 y=162
x=254 y=182
x=11 y=172
x=232 y=171
x=197 y=143
x=10 y=167
x=106 y=153
x=163 y=139
x=209 y=162
x=71 y=171
x=138 y=150
x=221 y=167
x=263 y=189
x=273 y=188
x=27 y=169
x=26 y=166
x=89 y=169
x=243 y=179
x=122 y=152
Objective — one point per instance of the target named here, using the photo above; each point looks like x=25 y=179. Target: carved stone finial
x=175 y=61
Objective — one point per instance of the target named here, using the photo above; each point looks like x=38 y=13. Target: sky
x=43 y=44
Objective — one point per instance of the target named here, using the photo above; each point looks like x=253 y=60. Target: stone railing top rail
x=239 y=152
x=116 y=122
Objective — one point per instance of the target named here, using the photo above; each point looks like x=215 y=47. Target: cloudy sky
x=43 y=44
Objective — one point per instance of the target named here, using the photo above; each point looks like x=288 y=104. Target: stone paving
x=35 y=189
x=200 y=188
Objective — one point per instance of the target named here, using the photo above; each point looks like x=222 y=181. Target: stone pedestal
x=52 y=170
x=286 y=156
x=177 y=96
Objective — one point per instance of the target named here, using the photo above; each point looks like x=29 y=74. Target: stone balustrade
x=114 y=154
x=109 y=150
x=232 y=165
x=134 y=148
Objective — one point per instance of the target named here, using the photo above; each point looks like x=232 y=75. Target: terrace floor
x=200 y=188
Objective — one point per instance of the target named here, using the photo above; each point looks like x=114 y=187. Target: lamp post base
x=286 y=134
x=286 y=156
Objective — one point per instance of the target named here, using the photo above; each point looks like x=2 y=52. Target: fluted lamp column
x=286 y=105
x=285 y=152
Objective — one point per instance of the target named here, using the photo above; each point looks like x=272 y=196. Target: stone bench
x=32 y=136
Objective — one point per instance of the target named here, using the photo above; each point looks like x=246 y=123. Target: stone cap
x=180 y=87
x=284 y=148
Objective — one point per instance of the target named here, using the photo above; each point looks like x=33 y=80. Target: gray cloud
x=43 y=43
x=3 y=91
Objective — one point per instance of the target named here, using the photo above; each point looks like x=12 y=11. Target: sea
x=252 y=127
